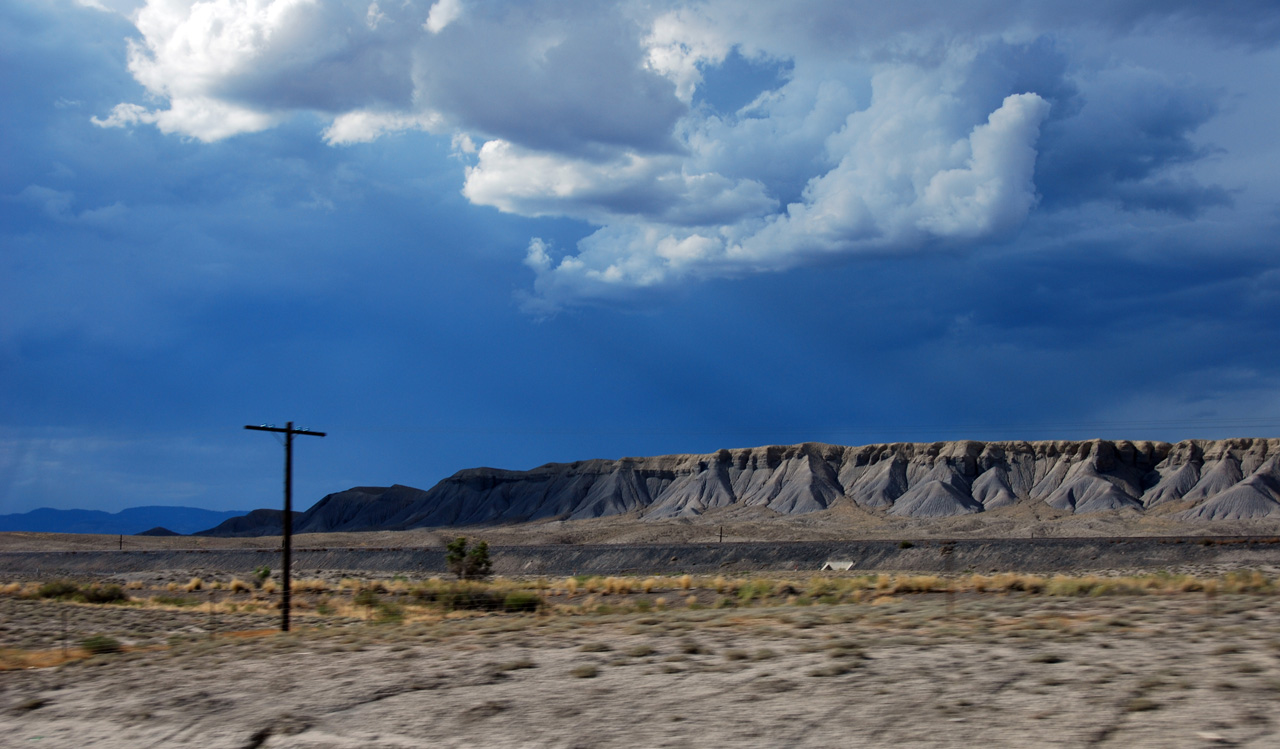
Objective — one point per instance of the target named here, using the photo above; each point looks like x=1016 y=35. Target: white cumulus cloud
x=871 y=128
x=443 y=13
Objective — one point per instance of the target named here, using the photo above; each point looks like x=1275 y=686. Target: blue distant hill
x=182 y=520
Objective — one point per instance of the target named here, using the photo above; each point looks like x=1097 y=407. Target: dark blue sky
x=455 y=234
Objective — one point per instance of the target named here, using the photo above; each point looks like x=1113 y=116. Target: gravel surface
x=998 y=670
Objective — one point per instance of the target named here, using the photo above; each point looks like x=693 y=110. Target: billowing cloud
x=657 y=188
x=887 y=132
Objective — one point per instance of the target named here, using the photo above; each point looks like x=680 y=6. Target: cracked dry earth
x=1166 y=671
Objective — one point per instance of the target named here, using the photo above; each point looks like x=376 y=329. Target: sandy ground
x=998 y=670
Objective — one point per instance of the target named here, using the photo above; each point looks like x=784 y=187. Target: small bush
x=100 y=645
x=649 y=584
x=467 y=598
x=468 y=563
x=686 y=582
x=239 y=586
x=905 y=544
x=58 y=589
x=194 y=584
x=103 y=594
x=750 y=591
x=585 y=672
x=164 y=600
x=521 y=601
x=387 y=612
x=262 y=573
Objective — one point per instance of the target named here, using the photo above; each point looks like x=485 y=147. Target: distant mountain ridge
x=256 y=523
x=126 y=522
x=1226 y=479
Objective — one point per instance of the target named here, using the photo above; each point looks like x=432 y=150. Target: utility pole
x=288 y=433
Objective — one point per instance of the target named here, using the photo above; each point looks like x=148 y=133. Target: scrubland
x=1160 y=659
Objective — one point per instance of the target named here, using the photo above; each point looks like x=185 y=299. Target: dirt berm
x=977 y=555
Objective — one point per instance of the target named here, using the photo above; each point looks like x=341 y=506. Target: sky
x=460 y=233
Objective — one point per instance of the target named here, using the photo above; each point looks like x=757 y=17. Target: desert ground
x=1175 y=658
x=1182 y=655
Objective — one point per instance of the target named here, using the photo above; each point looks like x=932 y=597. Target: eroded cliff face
x=1227 y=479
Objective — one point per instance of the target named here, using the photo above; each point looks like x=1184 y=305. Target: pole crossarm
x=283 y=430
x=287 y=520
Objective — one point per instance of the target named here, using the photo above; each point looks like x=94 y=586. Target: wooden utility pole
x=288 y=431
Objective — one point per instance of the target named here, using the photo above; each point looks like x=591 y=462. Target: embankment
x=976 y=555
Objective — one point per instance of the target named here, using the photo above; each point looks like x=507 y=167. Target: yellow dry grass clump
x=193 y=585
x=616 y=586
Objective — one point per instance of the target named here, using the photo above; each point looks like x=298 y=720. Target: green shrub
x=905 y=544
x=521 y=601
x=468 y=598
x=58 y=589
x=103 y=594
x=389 y=613
x=175 y=601
x=101 y=645
x=468 y=563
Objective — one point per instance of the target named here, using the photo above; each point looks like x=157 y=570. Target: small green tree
x=468 y=563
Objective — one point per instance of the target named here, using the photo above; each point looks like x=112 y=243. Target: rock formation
x=1226 y=479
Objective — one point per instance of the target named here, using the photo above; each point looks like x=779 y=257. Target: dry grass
x=400 y=600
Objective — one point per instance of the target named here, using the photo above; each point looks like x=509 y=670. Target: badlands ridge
x=1234 y=479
